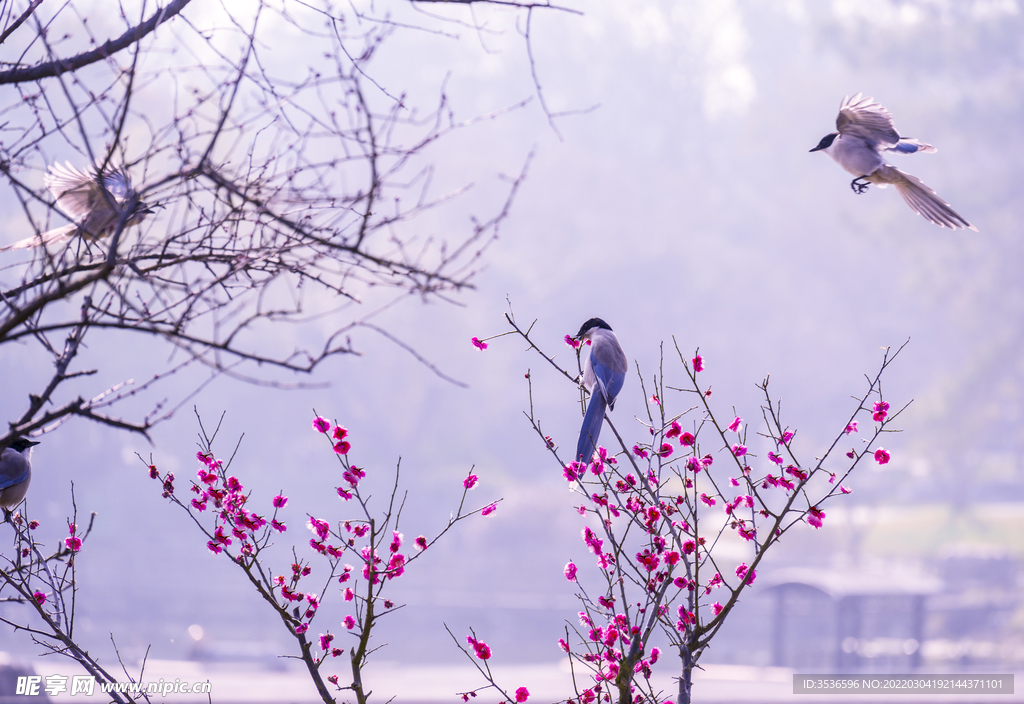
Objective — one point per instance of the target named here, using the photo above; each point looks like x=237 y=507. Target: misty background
x=680 y=201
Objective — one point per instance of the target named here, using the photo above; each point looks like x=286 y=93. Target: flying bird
x=865 y=131
x=15 y=472
x=94 y=205
x=603 y=374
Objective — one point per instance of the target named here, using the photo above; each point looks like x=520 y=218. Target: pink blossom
x=349 y=622
x=656 y=401
x=280 y=501
x=851 y=427
x=325 y=640
x=74 y=543
x=478 y=344
x=666 y=450
x=488 y=510
x=483 y=651
x=301 y=628
x=570 y=571
x=845 y=490
x=339 y=433
x=716 y=608
x=572 y=342
x=739 y=450
x=687 y=439
x=775 y=458
x=674 y=431
x=742 y=573
x=421 y=542
x=396 y=541
x=736 y=424
x=39 y=597
x=321 y=425
x=882 y=456
x=639 y=452
x=881 y=410
x=814 y=516
x=786 y=437
x=563 y=645
x=470 y=481
x=522 y=694
x=698 y=364
x=707 y=499
x=689 y=546
x=342 y=447
x=321 y=528
x=348 y=594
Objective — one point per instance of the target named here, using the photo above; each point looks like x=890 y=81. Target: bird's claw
x=859 y=185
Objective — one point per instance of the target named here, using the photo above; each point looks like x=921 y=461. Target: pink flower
x=687 y=439
x=786 y=437
x=483 y=651
x=74 y=544
x=470 y=481
x=882 y=456
x=739 y=450
x=339 y=433
x=348 y=594
x=775 y=458
x=522 y=694
x=639 y=452
x=396 y=541
x=321 y=528
x=689 y=546
x=488 y=510
x=478 y=344
x=707 y=499
x=563 y=645
x=736 y=424
x=674 y=431
x=342 y=447
x=301 y=628
x=321 y=425
x=280 y=501
x=570 y=571
x=421 y=542
x=741 y=572
x=349 y=622
x=881 y=410
x=571 y=342
x=845 y=490
x=698 y=364
x=39 y=597
x=666 y=450
x=716 y=608
x=814 y=516
x=851 y=427
x=325 y=640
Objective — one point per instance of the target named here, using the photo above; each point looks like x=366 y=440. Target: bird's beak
x=32 y=443
x=815 y=149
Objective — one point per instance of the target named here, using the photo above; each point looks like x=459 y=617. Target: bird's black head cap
x=593 y=323
x=22 y=444
x=826 y=141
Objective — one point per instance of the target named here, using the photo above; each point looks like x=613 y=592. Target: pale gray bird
x=15 y=472
x=865 y=130
x=94 y=206
x=604 y=374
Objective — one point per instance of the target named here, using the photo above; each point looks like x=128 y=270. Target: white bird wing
x=77 y=193
x=861 y=117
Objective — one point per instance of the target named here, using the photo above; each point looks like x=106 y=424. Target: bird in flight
x=865 y=131
x=95 y=205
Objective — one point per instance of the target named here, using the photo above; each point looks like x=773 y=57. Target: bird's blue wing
x=14 y=468
x=609 y=378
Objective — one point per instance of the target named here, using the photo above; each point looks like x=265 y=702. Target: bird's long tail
x=923 y=200
x=59 y=234
x=591 y=429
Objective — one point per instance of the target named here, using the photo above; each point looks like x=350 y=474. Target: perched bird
x=15 y=472
x=94 y=206
x=865 y=130
x=603 y=374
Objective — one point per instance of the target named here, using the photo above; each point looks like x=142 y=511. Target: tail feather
x=591 y=429
x=923 y=200
x=911 y=146
x=59 y=234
